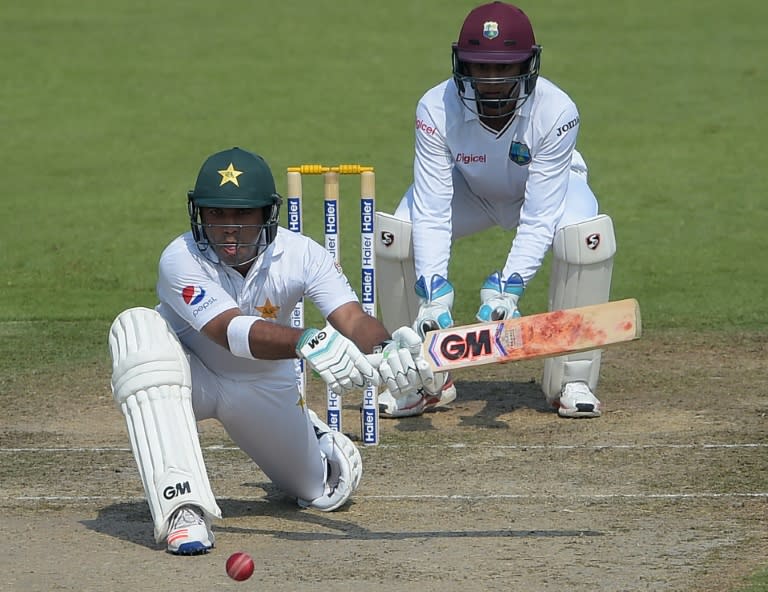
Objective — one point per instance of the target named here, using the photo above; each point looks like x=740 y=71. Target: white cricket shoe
x=577 y=400
x=416 y=403
x=189 y=534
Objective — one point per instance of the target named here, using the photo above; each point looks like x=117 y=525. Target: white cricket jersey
x=523 y=169
x=193 y=290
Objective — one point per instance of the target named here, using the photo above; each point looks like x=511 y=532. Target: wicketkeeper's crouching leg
x=151 y=383
x=582 y=265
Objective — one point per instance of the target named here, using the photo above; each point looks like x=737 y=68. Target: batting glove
x=401 y=364
x=499 y=298
x=436 y=303
x=336 y=359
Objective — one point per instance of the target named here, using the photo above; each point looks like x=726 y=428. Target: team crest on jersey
x=490 y=29
x=193 y=294
x=268 y=310
x=519 y=153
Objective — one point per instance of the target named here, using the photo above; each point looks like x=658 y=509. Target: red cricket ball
x=240 y=566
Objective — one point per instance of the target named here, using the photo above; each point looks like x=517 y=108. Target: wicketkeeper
x=220 y=345
x=496 y=146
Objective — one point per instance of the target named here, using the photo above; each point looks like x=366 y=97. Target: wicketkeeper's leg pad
x=151 y=382
x=582 y=264
x=395 y=272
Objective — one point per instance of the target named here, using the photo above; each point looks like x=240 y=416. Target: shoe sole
x=411 y=412
x=579 y=413
x=192 y=548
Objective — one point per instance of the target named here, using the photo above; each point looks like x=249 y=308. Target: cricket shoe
x=189 y=534
x=576 y=400
x=416 y=403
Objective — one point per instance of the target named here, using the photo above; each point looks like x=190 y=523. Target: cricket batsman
x=219 y=345
x=496 y=146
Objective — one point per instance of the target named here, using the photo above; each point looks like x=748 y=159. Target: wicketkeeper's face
x=234 y=233
x=495 y=85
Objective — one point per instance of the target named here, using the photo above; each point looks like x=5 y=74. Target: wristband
x=238 y=336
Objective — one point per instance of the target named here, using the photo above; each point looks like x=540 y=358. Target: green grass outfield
x=109 y=108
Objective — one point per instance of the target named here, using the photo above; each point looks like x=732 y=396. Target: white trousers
x=266 y=421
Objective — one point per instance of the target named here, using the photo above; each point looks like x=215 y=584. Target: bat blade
x=536 y=336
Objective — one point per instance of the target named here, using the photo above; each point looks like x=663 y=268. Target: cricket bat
x=536 y=336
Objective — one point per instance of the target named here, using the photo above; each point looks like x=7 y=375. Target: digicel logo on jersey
x=470 y=158
x=424 y=127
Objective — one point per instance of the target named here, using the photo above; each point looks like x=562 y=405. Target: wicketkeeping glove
x=401 y=364
x=336 y=359
x=436 y=303
x=499 y=298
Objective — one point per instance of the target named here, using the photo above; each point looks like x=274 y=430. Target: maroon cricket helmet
x=496 y=32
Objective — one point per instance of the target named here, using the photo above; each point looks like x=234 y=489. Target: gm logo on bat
x=466 y=344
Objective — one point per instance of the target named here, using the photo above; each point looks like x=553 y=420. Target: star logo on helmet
x=230 y=175
x=490 y=29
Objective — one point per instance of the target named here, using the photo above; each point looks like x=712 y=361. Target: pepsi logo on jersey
x=193 y=294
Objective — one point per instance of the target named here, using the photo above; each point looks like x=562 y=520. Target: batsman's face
x=494 y=85
x=234 y=233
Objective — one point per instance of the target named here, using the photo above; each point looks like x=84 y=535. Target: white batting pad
x=395 y=272
x=582 y=264
x=151 y=383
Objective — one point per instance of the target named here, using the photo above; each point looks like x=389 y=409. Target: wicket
x=369 y=417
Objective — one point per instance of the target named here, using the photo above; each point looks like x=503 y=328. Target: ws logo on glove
x=535 y=336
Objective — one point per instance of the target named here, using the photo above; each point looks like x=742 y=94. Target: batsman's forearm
x=358 y=326
x=368 y=333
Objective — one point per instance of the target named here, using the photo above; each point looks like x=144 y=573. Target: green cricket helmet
x=235 y=179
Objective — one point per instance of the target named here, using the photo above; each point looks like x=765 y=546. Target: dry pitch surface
x=667 y=491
